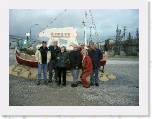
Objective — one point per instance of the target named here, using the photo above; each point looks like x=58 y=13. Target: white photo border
x=141 y=110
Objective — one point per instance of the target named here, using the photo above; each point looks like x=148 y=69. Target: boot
x=74 y=85
x=96 y=84
x=45 y=82
x=79 y=82
x=50 y=81
x=64 y=84
x=38 y=83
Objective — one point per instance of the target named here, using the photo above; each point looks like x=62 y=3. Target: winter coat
x=62 y=59
x=75 y=59
x=87 y=64
x=39 y=57
x=54 y=52
x=95 y=55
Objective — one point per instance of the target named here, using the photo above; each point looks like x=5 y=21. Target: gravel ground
x=123 y=91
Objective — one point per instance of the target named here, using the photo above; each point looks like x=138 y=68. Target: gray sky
x=106 y=21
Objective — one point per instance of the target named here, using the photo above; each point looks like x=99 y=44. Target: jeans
x=40 y=68
x=94 y=76
x=75 y=74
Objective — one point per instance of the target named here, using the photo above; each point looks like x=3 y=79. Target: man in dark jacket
x=75 y=62
x=55 y=50
x=96 y=55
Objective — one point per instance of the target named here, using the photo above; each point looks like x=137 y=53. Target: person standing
x=95 y=55
x=62 y=60
x=55 y=50
x=75 y=59
x=43 y=57
x=86 y=68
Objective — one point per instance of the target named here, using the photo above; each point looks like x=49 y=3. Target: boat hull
x=23 y=61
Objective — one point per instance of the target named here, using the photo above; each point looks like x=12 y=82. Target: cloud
x=106 y=20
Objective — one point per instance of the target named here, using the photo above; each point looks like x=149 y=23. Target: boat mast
x=85 y=28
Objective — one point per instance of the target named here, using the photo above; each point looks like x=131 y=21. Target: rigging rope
x=55 y=18
x=94 y=25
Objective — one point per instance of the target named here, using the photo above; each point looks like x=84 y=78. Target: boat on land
x=26 y=59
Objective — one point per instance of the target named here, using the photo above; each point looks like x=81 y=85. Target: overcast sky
x=106 y=21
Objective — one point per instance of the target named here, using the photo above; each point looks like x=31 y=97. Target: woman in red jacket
x=86 y=68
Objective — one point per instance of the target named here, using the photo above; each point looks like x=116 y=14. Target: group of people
x=56 y=60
